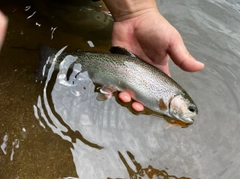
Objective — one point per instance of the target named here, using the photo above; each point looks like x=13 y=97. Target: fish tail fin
x=44 y=53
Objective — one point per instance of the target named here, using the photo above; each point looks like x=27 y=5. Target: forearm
x=126 y=9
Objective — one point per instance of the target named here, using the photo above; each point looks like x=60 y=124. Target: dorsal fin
x=121 y=51
x=79 y=50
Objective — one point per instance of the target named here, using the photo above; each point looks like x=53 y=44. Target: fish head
x=183 y=108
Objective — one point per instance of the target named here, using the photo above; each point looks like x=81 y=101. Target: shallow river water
x=57 y=128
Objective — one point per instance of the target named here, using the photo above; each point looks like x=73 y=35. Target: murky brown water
x=67 y=136
x=31 y=151
x=28 y=149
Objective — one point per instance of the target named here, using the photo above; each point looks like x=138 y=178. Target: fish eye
x=192 y=108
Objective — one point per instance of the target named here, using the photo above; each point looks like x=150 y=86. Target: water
x=51 y=130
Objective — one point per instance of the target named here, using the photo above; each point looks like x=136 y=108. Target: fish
x=122 y=70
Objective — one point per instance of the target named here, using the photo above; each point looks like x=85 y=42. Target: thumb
x=182 y=58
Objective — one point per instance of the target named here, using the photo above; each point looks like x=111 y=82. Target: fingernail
x=200 y=63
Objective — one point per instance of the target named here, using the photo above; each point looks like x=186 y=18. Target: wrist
x=127 y=9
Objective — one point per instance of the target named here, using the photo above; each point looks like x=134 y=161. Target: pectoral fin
x=105 y=92
x=107 y=89
x=162 y=105
x=101 y=97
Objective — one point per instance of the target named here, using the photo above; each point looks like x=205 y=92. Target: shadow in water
x=140 y=172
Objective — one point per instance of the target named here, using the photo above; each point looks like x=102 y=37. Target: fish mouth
x=188 y=118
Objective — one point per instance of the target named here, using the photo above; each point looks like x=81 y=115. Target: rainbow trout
x=121 y=70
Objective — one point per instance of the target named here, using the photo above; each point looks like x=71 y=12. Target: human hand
x=3 y=28
x=140 y=28
x=151 y=37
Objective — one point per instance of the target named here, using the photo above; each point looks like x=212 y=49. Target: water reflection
x=80 y=17
x=149 y=172
x=103 y=139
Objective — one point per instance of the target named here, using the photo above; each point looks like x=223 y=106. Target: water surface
x=57 y=129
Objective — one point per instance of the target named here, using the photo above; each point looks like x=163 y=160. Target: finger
x=3 y=27
x=137 y=106
x=181 y=57
x=124 y=97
